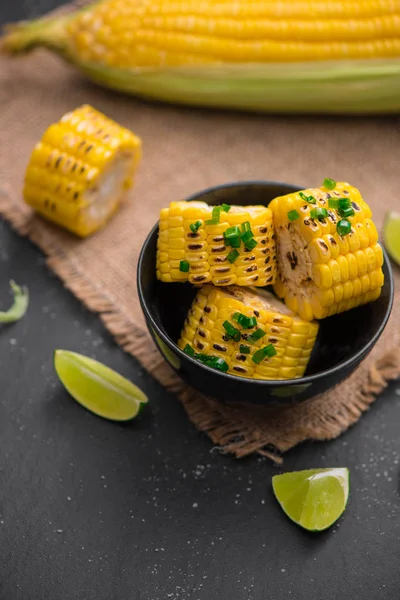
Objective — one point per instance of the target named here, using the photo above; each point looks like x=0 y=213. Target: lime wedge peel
x=314 y=499
x=391 y=235
x=98 y=388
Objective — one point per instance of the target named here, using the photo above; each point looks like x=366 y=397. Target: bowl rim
x=309 y=379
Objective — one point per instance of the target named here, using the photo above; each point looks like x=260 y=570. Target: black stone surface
x=90 y=510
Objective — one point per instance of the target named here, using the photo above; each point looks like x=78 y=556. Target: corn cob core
x=292 y=338
x=80 y=169
x=205 y=250
x=321 y=272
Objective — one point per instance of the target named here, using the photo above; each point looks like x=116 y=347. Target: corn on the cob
x=321 y=271
x=223 y=53
x=291 y=338
x=80 y=170
x=192 y=249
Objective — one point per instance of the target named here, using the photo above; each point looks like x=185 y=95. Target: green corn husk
x=357 y=87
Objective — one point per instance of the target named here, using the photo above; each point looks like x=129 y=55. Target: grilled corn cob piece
x=277 y=346
x=190 y=248
x=224 y=53
x=324 y=270
x=80 y=169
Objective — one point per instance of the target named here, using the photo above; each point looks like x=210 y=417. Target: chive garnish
x=244 y=321
x=247 y=236
x=232 y=256
x=346 y=212
x=214 y=362
x=243 y=349
x=195 y=226
x=184 y=266
x=262 y=353
x=319 y=213
x=293 y=215
x=251 y=244
x=215 y=215
x=246 y=226
x=232 y=237
x=189 y=350
x=344 y=203
x=333 y=203
x=256 y=335
x=343 y=227
x=309 y=199
x=225 y=207
x=232 y=332
x=329 y=184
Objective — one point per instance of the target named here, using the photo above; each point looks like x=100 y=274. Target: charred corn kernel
x=292 y=337
x=205 y=249
x=321 y=272
x=171 y=50
x=79 y=171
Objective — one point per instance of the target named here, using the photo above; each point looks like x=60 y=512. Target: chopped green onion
x=244 y=349
x=256 y=335
x=329 y=184
x=251 y=244
x=232 y=256
x=344 y=203
x=319 y=213
x=246 y=226
x=247 y=236
x=333 y=203
x=262 y=353
x=195 y=226
x=226 y=207
x=293 y=215
x=184 y=266
x=346 y=212
x=343 y=227
x=215 y=216
x=19 y=306
x=309 y=199
x=189 y=350
x=232 y=332
x=244 y=321
x=232 y=237
x=221 y=365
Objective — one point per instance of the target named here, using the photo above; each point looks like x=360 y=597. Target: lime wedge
x=97 y=387
x=391 y=235
x=313 y=499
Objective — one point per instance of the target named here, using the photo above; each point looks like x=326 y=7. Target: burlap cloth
x=185 y=151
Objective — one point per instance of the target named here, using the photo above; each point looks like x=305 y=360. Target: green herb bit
x=251 y=244
x=256 y=335
x=344 y=203
x=246 y=226
x=232 y=332
x=244 y=321
x=195 y=226
x=221 y=365
x=189 y=350
x=333 y=203
x=329 y=184
x=346 y=212
x=226 y=207
x=343 y=227
x=319 y=213
x=215 y=216
x=243 y=349
x=262 y=353
x=232 y=256
x=232 y=237
x=293 y=215
x=309 y=199
x=19 y=306
x=184 y=266
x=247 y=236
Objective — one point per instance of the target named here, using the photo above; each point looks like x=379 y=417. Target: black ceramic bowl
x=343 y=342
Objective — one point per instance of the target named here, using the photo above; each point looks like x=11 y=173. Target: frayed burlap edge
x=231 y=428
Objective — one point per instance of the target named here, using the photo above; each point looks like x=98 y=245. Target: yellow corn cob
x=194 y=52
x=205 y=250
x=292 y=338
x=321 y=272
x=80 y=169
